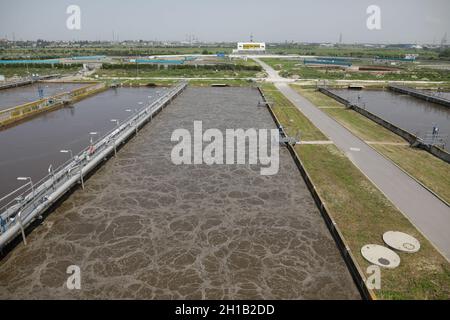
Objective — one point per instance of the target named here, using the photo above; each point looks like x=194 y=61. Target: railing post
x=2 y=225
x=21 y=227
x=81 y=177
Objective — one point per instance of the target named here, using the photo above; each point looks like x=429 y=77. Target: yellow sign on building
x=250 y=46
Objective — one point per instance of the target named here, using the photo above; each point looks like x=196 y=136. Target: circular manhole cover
x=380 y=256
x=401 y=241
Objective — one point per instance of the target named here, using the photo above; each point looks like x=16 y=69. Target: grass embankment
x=429 y=170
x=409 y=72
x=21 y=70
x=183 y=71
x=363 y=214
x=194 y=83
x=292 y=120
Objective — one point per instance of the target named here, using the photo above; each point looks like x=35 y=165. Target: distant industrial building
x=250 y=47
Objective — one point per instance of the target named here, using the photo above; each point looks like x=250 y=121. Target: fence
x=22 y=207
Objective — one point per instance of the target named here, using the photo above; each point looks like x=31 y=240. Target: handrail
x=20 y=111
x=32 y=203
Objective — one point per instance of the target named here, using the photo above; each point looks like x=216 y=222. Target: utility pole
x=444 y=40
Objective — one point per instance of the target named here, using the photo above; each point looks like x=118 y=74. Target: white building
x=250 y=47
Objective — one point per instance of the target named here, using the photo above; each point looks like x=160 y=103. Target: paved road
x=272 y=74
x=430 y=215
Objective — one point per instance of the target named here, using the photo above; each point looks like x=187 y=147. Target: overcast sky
x=402 y=21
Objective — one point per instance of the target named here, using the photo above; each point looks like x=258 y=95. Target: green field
x=408 y=72
x=113 y=49
x=109 y=50
x=293 y=121
x=23 y=70
x=363 y=214
x=184 y=71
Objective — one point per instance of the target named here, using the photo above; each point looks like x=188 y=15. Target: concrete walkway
x=429 y=214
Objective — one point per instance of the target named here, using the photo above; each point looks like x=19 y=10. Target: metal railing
x=23 y=206
x=22 y=111
x=433 y=139
x=25 y=81
x=18 y=83
x=428 y=96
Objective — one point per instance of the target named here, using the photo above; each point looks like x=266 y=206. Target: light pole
x=29 y=181
x=79 y=165
x=91 y=148
x=52 y=173
x=135 y=120
x=114 y=140
x=92 y=134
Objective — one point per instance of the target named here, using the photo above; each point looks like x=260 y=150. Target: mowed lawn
x=363 y=214
x=292 y=120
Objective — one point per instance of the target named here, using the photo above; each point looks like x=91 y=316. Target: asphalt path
x=427 y=212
